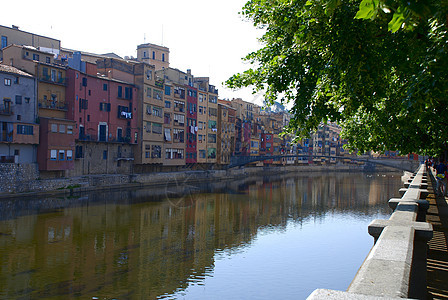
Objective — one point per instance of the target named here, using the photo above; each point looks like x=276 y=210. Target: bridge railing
x=396 y=265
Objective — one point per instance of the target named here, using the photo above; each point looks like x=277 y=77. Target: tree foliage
x=376 y=67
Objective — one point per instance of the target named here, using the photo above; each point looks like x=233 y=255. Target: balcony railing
x=53 y=79
x=53 y=104
x=94 y=138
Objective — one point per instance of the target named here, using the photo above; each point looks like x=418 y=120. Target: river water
x=277 y=237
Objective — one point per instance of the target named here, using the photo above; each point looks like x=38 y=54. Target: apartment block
x=208 y=102
x=226 y=133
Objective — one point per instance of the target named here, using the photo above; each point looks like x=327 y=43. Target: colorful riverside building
x=149 y=154
x=208 y=115
x=57 y=142
x=192 y=124
x=226 y=132
x=104 y=110
x=19 y=132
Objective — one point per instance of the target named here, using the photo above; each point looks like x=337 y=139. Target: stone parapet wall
x=18 y=179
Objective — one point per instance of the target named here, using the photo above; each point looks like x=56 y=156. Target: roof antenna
x=162 y=34
x=144 y=38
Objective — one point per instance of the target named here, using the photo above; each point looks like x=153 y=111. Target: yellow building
x=156 y=55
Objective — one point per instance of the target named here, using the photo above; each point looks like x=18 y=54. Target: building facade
x=19 y=130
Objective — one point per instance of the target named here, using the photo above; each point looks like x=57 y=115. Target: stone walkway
x=437 y=275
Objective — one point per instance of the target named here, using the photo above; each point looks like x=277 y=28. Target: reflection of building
x=154 y=248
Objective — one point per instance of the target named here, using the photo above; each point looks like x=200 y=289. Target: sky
x=207 y=36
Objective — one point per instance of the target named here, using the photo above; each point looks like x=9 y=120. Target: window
x=19 y=117
x=7 y=82
x=53 y=154
x=157 y=111
x=4 y=41
x=167 y=90
x=69 y=129
x=148 y=92
x=147 y=153
x=148 y=127
x=163 y=56
x=157 y=94
x=78 y=152
x=153 y=55
x=47 y=59
x=213 y=99
x=211 y=138
x=148 y=109
x=167 y=134
x=167 y=118
x=27 y=99
x=61 y=155
x=25 y=129
x=156 y=151
x=18 y=99
x=167 y=104
x=149 y=74
x=61 y=128
x=104 y=86
x=119 y=133
x=179 y=106
x=201 y=153
x=213 y=112
x=179 y=120
x=16 y=80
x=157 y=128
x=104 y=106
x=54 y=127
x=105 y=154
x=128 y=93
x=120 y=91
x=178 y=135
x=69 y=154
x=35 y=56
x=211 y=124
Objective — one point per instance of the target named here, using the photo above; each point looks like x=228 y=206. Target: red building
x=104 y=109
x=56 y=146
x=192 y=123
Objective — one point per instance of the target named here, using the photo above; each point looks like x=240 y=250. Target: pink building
x=104 y=109
x=56 y=146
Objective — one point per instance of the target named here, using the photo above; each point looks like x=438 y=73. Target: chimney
x=15 y=27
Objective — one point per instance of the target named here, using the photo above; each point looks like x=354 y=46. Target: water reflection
x=151 y=244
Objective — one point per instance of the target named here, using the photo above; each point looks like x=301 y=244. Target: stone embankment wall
x=20 y=180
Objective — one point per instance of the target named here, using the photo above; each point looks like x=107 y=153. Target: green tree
x=374 y=67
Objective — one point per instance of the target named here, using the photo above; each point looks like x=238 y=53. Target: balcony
x=53 y=79
x=94 y=138
x=52 y=104
x=6 y=110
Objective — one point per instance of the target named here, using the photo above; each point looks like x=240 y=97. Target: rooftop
x=13 y=70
